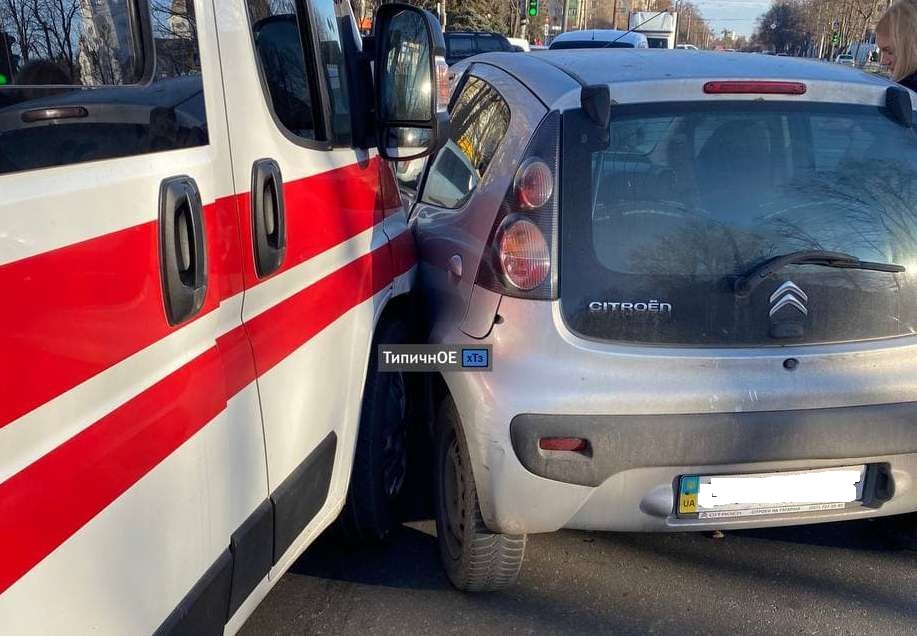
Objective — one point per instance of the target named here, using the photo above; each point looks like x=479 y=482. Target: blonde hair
x=900 y=24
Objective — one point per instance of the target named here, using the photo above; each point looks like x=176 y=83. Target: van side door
x=317 y=263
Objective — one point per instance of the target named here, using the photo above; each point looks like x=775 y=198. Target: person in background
x=896 y=35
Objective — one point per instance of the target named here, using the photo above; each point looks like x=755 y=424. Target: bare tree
x=57 y=21
x=17 y=19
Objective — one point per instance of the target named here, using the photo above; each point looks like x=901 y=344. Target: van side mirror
x=412 y=82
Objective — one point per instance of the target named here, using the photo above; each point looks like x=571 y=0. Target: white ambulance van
x=200 y=244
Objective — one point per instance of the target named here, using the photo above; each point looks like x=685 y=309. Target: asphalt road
x=845 y=578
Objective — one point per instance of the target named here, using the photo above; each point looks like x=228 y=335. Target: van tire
x=475 y=559
x=380 y=458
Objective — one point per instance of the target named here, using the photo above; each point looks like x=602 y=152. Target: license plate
x=726 y=496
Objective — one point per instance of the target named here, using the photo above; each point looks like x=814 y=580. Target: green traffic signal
x=4 y=80
x=533 y=8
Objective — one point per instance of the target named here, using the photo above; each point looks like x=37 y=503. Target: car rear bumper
x=628 y=478
x=651 y=415
x=618 y=443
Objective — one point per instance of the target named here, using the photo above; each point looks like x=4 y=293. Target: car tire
x=475 y=559
x=381 y=454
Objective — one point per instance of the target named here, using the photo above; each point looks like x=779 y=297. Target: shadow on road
x=849 y=577
x=409 y=560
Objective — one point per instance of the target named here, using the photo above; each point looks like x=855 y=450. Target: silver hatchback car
x=697 y=276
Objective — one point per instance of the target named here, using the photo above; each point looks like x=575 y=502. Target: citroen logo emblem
x=789 y=295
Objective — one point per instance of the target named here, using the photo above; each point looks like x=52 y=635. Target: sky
x=738 y=15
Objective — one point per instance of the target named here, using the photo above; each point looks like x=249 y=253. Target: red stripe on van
x=287 y=326
x=52 y=498
x=404 y=251
x=322 y=211
x=75 y=311
x=45 y=503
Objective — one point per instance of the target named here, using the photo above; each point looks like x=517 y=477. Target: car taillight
x=534 y=184
x=755 y=88
x=443 y=84
x=521 y=255
x=524 y=254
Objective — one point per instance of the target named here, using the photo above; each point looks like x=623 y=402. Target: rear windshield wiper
x=747 y=282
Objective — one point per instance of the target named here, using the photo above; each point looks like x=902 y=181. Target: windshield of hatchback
x=687 y=198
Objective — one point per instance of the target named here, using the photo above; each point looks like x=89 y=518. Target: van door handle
x=269 y=231
x=182 y=248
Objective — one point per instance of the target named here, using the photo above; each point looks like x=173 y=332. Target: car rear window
x=686 y=198
x=459 y=45
x=489 y=43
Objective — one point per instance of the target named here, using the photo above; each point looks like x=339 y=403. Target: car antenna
x=632 y=29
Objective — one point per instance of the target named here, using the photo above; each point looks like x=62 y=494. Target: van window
x=69 y=43
x=332 y=18
x=479 y=120
x=277 y=29
x=86 y=92
x=293 y=66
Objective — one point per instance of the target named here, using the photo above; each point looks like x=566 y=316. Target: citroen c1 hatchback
x=201 y=243
x=698 y=279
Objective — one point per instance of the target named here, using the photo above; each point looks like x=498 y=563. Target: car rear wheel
x=475 y=559
x=381 y=457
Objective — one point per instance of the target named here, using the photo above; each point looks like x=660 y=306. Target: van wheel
x=475 y=559
x=381 y=456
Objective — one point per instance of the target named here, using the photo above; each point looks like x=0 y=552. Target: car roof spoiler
x=596 y=101
x=898 y=102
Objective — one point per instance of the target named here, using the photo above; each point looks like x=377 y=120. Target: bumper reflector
x=571 y=444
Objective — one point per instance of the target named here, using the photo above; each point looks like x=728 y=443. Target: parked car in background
x=463 y=44
x=599 y=39
x=846 y=59
x=520 y=44
x=700 y=295
x=686 y=47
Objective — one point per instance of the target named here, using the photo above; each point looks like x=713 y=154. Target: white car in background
x=521 y=43
x=686 y=47
x=600 y=39
x=845 y=59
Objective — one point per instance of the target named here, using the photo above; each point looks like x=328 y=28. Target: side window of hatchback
x=479 y=121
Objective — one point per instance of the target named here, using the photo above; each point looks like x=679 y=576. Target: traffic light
x=533 y=8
